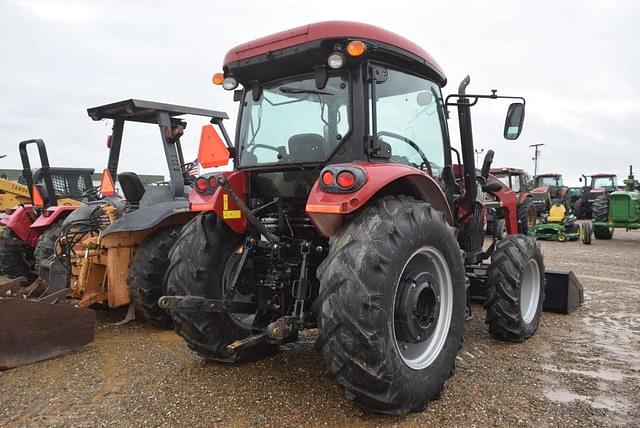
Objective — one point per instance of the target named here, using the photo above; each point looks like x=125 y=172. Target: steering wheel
x=91 y=193
x=425 y=161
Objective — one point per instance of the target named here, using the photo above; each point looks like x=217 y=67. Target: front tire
x=392 y=293
x=16 y=257
x=146 y=275
x=585 y=233
x=197 y=265
x=515 y=289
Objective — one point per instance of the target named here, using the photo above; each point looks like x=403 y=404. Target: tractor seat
x=307 y=148
x=132 y=187
x=556 y=213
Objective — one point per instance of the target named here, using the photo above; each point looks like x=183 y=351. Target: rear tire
x=363 y=317
x=146 y=275
x=500 y=229
x=527 y=216
x=601 y=214
x=515 y=289
x=196 y=268
x=46 y=245
x=16 y=257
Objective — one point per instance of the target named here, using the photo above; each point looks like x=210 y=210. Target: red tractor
x=346 y=212
x=547 y=188
x=516 y=180
x=595 y=186
x=31 y=230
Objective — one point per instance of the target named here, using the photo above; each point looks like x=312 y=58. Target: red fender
x=51 y=215
x=509 y=204
x=19 y=221
x=220 y=202
x=327 y=210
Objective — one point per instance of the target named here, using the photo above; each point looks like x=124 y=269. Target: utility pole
x=478 y=153
x=535 y=157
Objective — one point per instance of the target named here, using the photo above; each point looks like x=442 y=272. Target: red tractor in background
x=31 y=230
x=516 y=180
x=349 y=210
x=547 y=188
x=595 y=185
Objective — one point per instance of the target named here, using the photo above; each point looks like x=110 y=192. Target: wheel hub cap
x=417 y=308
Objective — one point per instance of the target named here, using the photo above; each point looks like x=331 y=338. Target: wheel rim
x=243 y=320
x=530 y=291
x=423 y=306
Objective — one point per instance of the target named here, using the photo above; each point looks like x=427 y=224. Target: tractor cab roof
x=510 y=171
x=147 y=111
x=549 y=174
x=297 y=43
x=602 y=175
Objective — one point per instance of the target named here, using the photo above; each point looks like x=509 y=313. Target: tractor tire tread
x=191 y=273
x=352 y=339
x=503 y=289
x=146 y=275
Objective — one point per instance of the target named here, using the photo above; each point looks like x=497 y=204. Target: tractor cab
x=548 y=188
x=595 y=186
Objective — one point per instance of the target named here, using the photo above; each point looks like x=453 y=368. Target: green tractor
x=620 y=209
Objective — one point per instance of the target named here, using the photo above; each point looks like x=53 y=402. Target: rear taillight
x=206 y=184
x=346 y=179
x=327 y=178
x=342 y=178
x=202 y=184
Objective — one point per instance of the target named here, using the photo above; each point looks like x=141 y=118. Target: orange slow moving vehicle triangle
x=107 y=188
x=38 y=200
x=212 y=151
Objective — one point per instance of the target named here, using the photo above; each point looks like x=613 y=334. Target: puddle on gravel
x=608 y=375
x=565 y=396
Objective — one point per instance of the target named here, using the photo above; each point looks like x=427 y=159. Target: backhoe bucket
x=32 y=330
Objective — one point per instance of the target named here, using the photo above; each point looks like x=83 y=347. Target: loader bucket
x=563 y=292
x=33 y=331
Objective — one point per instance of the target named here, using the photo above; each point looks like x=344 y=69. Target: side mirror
x=424 y=98
x=580 y=179
x=514 y=120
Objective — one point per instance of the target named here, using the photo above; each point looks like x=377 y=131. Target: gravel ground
x=582 y=369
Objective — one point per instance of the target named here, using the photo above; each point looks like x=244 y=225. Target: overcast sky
x=576 y=62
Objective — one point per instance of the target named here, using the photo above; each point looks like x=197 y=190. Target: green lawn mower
x=619 y=209
x=559 y=225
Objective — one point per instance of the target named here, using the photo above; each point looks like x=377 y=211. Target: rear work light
x=342 y=178
x=336 y=60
